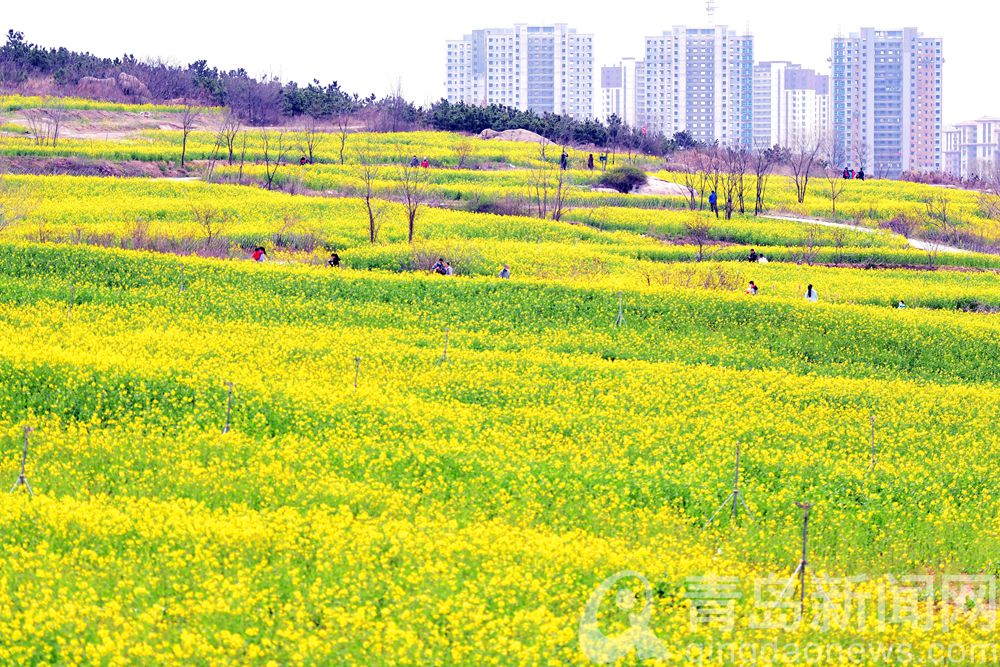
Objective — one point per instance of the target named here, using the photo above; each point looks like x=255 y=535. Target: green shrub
x=624 y=179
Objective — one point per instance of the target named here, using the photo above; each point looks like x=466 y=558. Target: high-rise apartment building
x=972 y=148
x=886 y=100
x=541 y=68
x=701 y=80
x=791 y=105
x=623 y=90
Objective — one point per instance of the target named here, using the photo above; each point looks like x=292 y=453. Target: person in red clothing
x=426 y=163
x=259 y=254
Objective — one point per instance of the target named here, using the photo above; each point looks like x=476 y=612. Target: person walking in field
x=752 y=289
x=505 y=272
x=564 y=161
x=590 y=162
x=811 y=294
x=713 y=202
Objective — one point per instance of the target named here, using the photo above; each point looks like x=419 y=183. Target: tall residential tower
x=886 y=100
x=541 y=68
x=701 y=80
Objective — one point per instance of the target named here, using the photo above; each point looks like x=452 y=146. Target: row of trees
x=257 y=101
x=266 y=100
x=614 y=135
x=736 y=173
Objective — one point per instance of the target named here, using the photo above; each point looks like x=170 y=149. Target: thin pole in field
x=800 y=569
x=736 y=498
x=444 y=355
x=22 y=480
x=229 y=407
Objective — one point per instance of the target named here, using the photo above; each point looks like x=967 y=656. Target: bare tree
x=370 y=171
x=312 y=137
x=36 y=126
x=810 y=249
x=735 y=161
x=463 y=149
x=539 y=180
x=230 y=130
x=836 y=183
x=859 y=152
x=243 y=155
x=801 y=159
x=833 y=173
x=220 y=141
x=343 y=124
x=395 y=108
x=56 y=117
x=688 y=163
x=211 y=219
x=762 y=161
x=741 y=165
x=189 y=117
x=274 y=147
x=714 y=167
x=705 y=165
x=698 y=228
x=839 y=236
x=940 y=218
x=412 y=190
x=44 y=125
x=559 y=193
x=989 y=196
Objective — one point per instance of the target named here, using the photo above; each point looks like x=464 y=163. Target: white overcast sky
x=367 y=46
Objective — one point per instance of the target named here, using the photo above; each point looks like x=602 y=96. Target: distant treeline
x=258 y=101
x=266 y=100
x=463 y=117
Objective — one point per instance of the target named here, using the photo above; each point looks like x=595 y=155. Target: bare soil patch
x=69 y=166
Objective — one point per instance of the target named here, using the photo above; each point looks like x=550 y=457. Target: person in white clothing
x=811 y=294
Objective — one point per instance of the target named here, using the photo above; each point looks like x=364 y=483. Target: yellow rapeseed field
x=414 y=468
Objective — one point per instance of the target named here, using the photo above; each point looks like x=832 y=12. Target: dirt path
x=929 y=246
